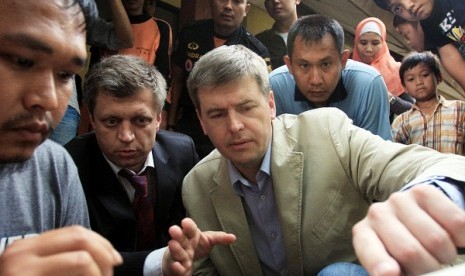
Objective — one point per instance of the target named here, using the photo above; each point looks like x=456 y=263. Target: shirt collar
x=442 y=102
x=237 y=178
x=148 y=163
x=338 y=95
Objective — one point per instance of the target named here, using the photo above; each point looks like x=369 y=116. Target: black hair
x=399 y=20
x=414 y=58
x=382 y=4
x=89 y=9
x=313 y=28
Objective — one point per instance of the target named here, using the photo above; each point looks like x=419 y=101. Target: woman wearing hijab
x=371 y=48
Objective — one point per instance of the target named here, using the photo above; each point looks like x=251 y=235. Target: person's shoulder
x=315 y=116
x=81 y=142
x=172 y=137
x=265 y=34
x=50 y=150
x=356 y=67
x=252 y=41
x=53 y=156
x=402 y=118
x=175 y=144
x=206 y=167
x=162 y=24
x=279 y=72
x=458 y=104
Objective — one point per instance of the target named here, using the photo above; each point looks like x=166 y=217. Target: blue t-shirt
x=361 y=94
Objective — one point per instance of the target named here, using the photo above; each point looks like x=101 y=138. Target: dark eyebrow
x=36 y=45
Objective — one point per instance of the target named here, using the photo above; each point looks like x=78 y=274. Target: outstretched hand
x=413 y=232
x=189 y=244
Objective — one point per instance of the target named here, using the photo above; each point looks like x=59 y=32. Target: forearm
x=399 y=105
x=121 y=24
x=453 y=62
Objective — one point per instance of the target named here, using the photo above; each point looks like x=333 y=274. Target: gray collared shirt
x=262 y=216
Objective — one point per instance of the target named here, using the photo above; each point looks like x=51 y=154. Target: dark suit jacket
x=110 y=211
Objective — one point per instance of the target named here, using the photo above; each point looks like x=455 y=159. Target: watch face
x=392 y=100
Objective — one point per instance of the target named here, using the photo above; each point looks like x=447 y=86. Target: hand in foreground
x=189 y=244
x=72 y=250
x=413 y=232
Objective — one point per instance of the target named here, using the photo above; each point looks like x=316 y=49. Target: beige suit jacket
x=325 y=173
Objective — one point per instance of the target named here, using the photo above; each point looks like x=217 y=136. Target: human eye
x=66 y=76
x=18 y=61
x=24 y=62
x=215 y=114
x=325 y=64
x=110 y=122
x=142 y=121
x=246 y=108
x=304 y=66
x=396 y=9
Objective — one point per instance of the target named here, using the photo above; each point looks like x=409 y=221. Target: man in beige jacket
x=291 y=188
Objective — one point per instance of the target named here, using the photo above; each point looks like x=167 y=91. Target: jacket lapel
x=287 y=174
x=231 y=215
x=164 y=176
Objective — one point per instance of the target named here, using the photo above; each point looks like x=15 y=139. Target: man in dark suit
x=125 y=97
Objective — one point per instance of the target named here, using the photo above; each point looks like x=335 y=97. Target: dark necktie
x=143 y=211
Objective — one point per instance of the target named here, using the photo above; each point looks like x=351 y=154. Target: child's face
x=412 y=10
x=413 y=34
x=420 y=82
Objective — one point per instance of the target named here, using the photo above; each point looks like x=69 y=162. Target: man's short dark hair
x=382 y=4
x=398 y=20
x=122 y=76
x=413 y=59
x=89 y=9
x=312 y=28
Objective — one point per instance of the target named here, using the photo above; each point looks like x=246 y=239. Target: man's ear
x=288 y=62
x=247 y=9
x=344 y=57
x=91 y=119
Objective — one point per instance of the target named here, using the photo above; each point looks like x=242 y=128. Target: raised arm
x=121 y=23
x=454 y=63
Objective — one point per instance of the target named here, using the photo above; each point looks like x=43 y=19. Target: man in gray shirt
x=42 y=46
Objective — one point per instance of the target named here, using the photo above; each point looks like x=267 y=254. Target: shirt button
x=273 y=235
x=262 y=197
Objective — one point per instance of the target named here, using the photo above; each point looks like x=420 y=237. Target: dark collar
x=231 y=38
x=136 y=19
x=338 y=95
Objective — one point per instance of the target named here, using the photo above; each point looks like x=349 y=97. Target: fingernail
x=386 y=268
x=117 y=257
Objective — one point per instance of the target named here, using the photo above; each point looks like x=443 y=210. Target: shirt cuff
x=450 y=187
x=153 y=265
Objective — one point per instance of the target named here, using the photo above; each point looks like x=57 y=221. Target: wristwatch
x=392 y=99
